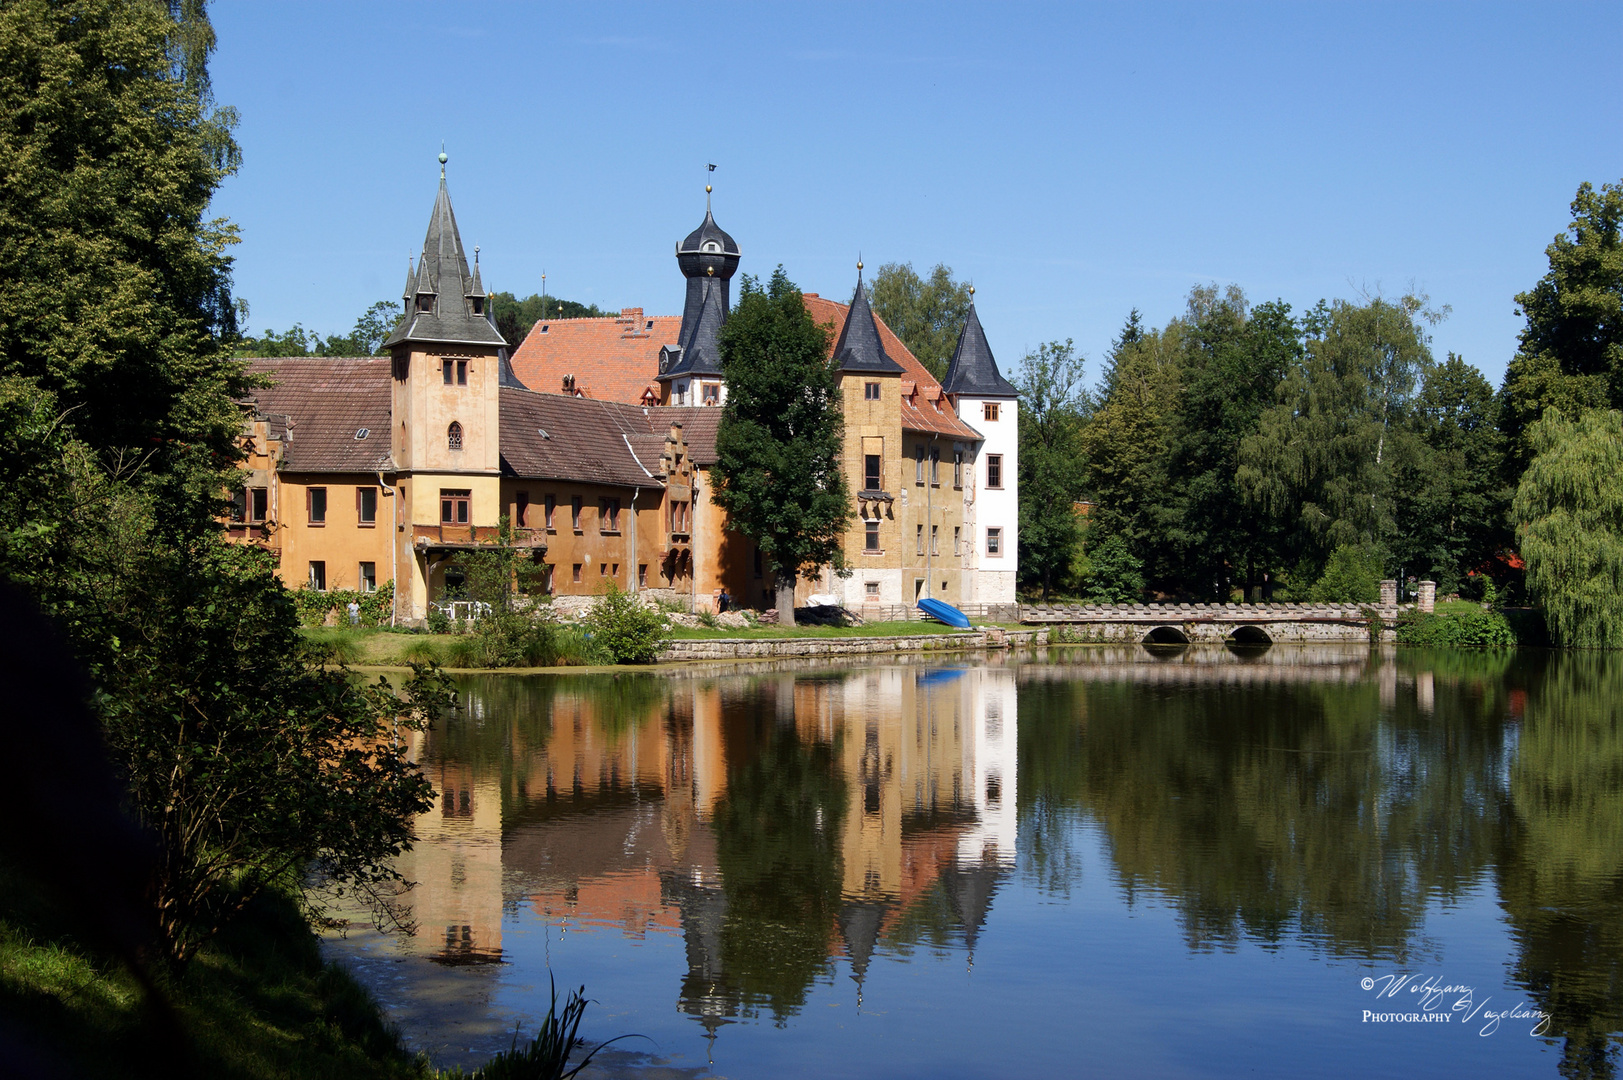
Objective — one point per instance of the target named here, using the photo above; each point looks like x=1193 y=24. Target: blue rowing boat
x=944 y=613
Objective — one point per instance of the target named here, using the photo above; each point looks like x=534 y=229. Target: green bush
x=1352 y=576
x=438 y=621
x=1115 y=575
x=1481 y=629
x=627 y=631
x=514 y=639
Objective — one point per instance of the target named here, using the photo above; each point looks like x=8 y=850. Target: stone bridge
x=1238 y=624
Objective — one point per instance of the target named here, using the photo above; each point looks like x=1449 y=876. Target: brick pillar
x=1428 y=596
x=1389 y=593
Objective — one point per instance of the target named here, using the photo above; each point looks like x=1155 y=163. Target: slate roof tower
x=859 y=347
x=973 y=371
x=709 y=259
x=445 y=303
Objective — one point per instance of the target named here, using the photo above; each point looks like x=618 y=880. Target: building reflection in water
x=777 y=823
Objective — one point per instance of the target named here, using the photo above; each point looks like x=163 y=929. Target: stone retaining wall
x=686 y=649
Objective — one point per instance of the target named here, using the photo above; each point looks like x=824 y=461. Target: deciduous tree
x=1571 y=351
x=926 y=313
x=114 y=285
x=777 y=469
x=1569 y=525
x=1326 y=455
x=1054 y=405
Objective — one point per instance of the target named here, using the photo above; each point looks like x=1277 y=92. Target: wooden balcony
x=473 y=538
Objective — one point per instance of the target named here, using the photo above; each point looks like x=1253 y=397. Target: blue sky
x=1075 y=161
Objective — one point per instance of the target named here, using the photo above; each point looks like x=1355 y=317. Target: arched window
x=454 y=436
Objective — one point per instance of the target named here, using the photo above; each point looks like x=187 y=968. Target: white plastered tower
x=989 y=403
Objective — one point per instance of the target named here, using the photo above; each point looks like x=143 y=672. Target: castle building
x=595 y=444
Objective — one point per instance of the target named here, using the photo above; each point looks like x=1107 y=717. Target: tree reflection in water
x=1332 y=811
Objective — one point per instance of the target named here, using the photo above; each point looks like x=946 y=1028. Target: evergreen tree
x=1451 y=502
x=778 y=446
x=1127 y=442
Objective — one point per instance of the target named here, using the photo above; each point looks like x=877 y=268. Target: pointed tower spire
x=476 y=290
x=973 y=371
x=859 y=347
x=446 y=303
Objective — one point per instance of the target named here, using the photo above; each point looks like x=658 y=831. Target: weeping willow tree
x=1569 y=522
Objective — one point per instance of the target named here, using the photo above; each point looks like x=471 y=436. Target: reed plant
x=545 y=1057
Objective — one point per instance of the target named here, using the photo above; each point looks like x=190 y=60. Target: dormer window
x=712 y=247
x=453 y=436
x=478 y=303
x=425 y=301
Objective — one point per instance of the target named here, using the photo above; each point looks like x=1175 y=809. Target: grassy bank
x=257 y=1003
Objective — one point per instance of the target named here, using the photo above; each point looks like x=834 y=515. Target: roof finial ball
x=443 y=159
x=707 y=189
x=972 y=290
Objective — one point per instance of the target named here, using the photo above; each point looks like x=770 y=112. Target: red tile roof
x=617 y=359
x=926 y=408
x=317 y=405
x=612 y=359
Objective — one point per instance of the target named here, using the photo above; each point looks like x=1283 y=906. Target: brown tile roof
x=612 y=359
x=699 y=423
x=591 y=441
x=925 y=409
x=316 y=404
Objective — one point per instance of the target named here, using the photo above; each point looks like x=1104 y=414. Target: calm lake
x=1112 y=861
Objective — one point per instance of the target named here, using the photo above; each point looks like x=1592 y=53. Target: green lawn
x=1458 y=607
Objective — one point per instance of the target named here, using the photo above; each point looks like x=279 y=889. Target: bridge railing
x=1236 y=613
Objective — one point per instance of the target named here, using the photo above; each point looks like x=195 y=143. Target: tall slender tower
x=447 y=368
x=690 y=370
x=989 y=403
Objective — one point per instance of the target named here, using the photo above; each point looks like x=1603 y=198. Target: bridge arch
x=1166 y=635
x=1250 y=635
